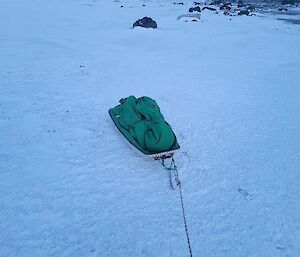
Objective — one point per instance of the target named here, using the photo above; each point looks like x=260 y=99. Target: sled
x=138 y=120
x=157 y=155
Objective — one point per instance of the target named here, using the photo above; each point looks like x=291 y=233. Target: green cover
x=142 y=124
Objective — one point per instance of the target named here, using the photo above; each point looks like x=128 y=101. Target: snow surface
x=70 y=186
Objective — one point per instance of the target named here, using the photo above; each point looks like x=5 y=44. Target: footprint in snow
x=83 y=72
x=245 y=194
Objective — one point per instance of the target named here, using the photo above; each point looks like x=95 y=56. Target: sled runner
x=140 y=121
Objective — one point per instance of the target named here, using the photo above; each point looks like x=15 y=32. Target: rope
x=184 y=219
x=173 y=169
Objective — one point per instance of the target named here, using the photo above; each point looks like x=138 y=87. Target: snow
x=70 y=186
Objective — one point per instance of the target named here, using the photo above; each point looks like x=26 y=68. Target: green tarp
x=142 y=124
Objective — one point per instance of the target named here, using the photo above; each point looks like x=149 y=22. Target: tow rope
x=174 y=172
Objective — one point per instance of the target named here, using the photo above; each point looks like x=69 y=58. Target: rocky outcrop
x=145 y=22
x=195 y=9
x=209 y=8
x=243 y=12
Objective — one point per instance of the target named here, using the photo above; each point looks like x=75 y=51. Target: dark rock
x=244 y=12
x=240 y=4
x=143 y=5
x=197 y=3
x=146 y=22
x=195 y=9
x=285 y=2
x=208 y=8
x=251 y=8
x=194 y=20
x=216 y=2
x=180 y=3
x=122 y=6
x=225 y=7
